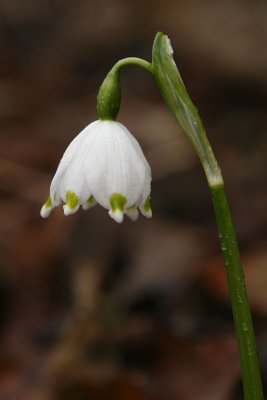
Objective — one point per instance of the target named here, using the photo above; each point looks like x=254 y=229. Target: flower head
x=104 y=164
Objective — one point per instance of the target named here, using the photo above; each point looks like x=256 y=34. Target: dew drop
x=244 y=327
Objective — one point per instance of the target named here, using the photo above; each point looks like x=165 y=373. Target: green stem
x=240 y=306
x=135 y=61
x=109 y=94
x=174 y=92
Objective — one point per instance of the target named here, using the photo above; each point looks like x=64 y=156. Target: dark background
x=90 y=309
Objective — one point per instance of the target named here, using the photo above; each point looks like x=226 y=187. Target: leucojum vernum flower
x=104 y=164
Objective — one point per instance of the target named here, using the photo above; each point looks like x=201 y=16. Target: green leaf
x=174 y=92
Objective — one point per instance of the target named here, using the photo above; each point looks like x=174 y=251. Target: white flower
x=104 y=164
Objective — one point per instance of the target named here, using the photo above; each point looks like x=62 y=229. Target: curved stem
x=135 y=61
x=109 y=94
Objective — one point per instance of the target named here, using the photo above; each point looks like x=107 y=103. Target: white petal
x=71 y=164
x=117 y=215
x=73 y=180
x=146 y=190
x=135 y=145
x=91 y=202
x=145 y=208
x=115 y=165
x=69 y=210
x=45 y=211
x=146 y=213
x=47 y=208
x=132 y=213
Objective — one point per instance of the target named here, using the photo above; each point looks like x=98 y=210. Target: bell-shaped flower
x=104 y=164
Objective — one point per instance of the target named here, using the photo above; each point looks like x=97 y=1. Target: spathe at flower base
x=103 y=164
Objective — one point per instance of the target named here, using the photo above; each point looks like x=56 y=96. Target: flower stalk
x=240 y=306
x=176 y=97
x=109 y=94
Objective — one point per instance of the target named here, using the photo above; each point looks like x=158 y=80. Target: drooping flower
x=103 y=164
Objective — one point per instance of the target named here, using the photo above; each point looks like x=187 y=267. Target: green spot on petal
x=71 y=199
x=48 y=203
x=91 y=200
x=131 y=208
x=117 y=202
x=146 y=205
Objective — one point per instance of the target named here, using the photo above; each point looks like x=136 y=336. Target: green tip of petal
x=117 y=215
x=146 y=205
x=71 y=199
x=46 y=209
x=146 y=209
x=132 y=208
x=48 y=203
x=117 y=202
x=90 y=202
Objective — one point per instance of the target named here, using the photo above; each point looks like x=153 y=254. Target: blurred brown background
x=94 y=310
